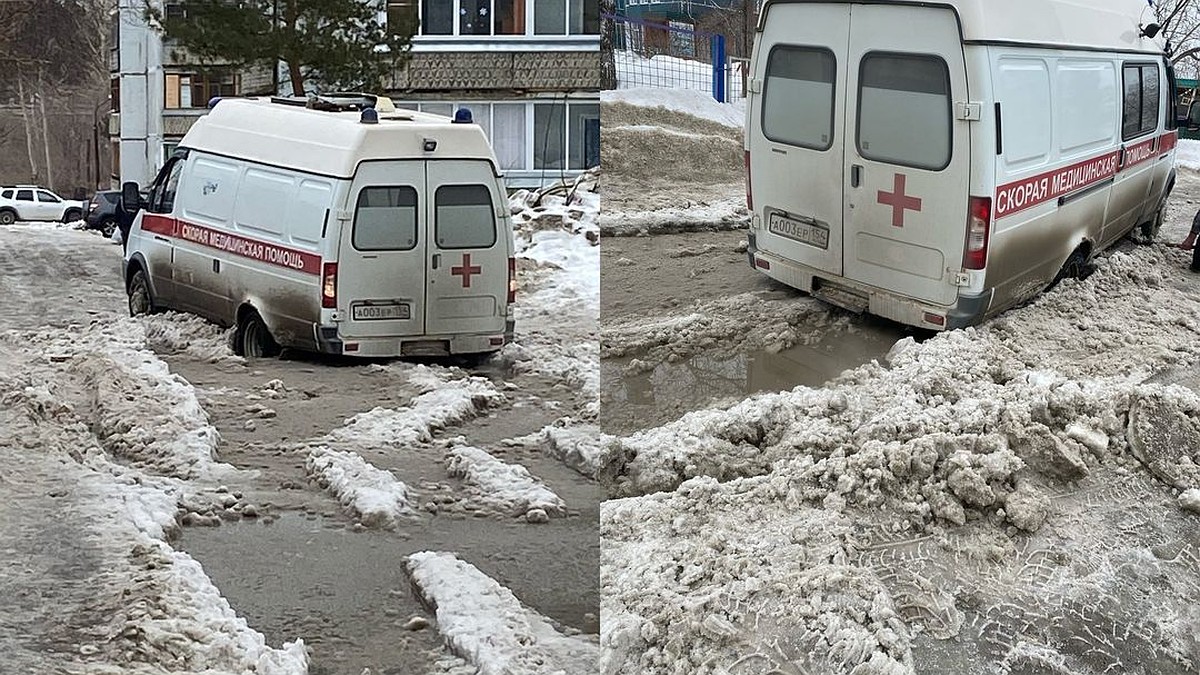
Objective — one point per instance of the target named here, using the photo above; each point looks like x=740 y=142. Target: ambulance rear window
x=904 y=113
x=798 y=98
x=464 y=217
x=386 y=219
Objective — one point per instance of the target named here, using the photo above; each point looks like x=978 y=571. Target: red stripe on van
x=159 y=224
x=262 y=251
x=1141 y=152
x=1029 y=192
x=1169 y=140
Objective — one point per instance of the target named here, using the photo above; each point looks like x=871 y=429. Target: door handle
x=437 y=260
x=162 y=239
x=855 y=175
x=216 y=265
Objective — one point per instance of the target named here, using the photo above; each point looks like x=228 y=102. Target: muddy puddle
x=638 y=400
x=347 y=595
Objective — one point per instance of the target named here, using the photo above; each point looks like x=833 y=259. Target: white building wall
x=141 y=94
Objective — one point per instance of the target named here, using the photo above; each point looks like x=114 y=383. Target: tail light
x=329 y=285
x=512 y=280
x=979 y=225
x=749 y=197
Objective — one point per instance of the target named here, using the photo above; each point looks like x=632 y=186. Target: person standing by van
x=1189 y=243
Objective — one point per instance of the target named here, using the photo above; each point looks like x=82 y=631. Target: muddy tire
x=72 y=215
x=7 y=217
x=141 y=301
x=253 y=339
x=1076 y=267
x=1149 y=229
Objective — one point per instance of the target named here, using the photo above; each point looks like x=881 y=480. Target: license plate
x=378 y=312
x=806 y=232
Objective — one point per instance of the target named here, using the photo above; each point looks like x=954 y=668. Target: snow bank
x=373 y=495
x=448 y=401
x=690 y=101
x=1187 y=154
x=143 y=412
x=967 y=488
x=582 y=447
x=558 y=307
x=506 y=488
x=732 y=579
x=178 y=606
x=486 y=624
x=177 y=333
x=152 y=604
x=675 y=163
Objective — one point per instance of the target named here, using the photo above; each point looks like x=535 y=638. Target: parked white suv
x=30 y=202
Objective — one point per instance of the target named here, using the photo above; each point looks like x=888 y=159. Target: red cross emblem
x=899 y=201
x=466 y=270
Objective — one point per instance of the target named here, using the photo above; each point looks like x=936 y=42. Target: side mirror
x=131 y=198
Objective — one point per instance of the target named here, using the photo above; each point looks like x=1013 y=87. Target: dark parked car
x=105 y=214
x=104 y=211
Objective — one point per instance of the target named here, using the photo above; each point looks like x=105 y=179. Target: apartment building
x=528 y=70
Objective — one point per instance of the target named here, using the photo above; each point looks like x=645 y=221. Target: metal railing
x=668 y=55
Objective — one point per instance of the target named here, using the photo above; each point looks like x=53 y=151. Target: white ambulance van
x=373 y=233
x=938 y=162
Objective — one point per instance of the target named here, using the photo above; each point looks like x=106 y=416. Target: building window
x=533 y=135
x=168 y=147
x=509 y=17
x=583 y=133
x=115 y=93
x=194 y=90
x=508 y=135
x=549 y=136
x=401 y=14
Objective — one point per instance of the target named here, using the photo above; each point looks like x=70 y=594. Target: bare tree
x=1180 y=26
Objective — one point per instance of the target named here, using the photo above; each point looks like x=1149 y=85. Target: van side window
x=1140 y=112
x=47 y=198
x=162 y=194
x=7 y=194
x=904 y=110
x=464 y=217
x=797 y=106
x=385 y=219
x=25 y=195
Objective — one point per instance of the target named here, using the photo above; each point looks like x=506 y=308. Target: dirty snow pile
x=674 y=161
x=486 y=624
x=448 y=397
x=178 y=333
x=104 y=448
x=506 y=488
x=1020 y=488
x=558 y=304
x=373 y=495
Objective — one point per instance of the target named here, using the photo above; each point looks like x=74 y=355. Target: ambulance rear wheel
x=1151 y=227
x=140 y=299
x=1076 y=267
x=253 y=339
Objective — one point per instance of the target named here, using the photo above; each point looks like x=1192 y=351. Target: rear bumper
x=330 y=341
x=966 y=311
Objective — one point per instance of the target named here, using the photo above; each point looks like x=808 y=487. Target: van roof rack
x=338 y=102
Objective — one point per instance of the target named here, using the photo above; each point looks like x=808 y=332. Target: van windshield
x=464 y=217
x=385 y=219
